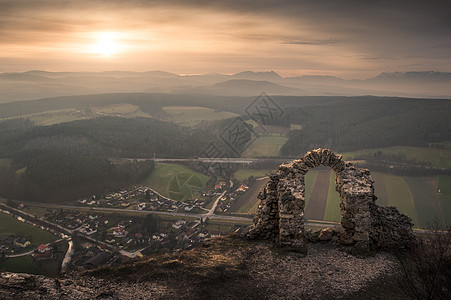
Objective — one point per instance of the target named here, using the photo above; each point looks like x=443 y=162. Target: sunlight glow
x=106 y=44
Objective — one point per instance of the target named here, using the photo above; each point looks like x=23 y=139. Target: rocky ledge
x=224 y=268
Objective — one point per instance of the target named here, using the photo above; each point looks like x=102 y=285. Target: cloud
x=361 y=34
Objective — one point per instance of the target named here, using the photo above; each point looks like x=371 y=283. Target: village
x=114 y=237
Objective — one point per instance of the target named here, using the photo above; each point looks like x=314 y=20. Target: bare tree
x=426 y=265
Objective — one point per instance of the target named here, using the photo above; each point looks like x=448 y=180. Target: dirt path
x=318 y=197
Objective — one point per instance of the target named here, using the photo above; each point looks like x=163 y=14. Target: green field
x=440 y=158
x=309 y=180
x=418 y=197
x=244 y=173
x=424 y=192
x=444 y=185
x=5 y=162
x=193 y=115
x=265 y=146
x=399 y=195
x=26 y=264
x=122 y=109
x=248 y=202
x=71 y=114
x=36 y=236
x=333 y=202
x=175 y=181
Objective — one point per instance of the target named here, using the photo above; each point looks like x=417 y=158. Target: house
x=21 y=242
x=43 y=252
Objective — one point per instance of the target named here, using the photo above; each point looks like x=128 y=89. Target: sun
x=106 y=44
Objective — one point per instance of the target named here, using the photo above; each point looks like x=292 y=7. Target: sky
x=348 y=38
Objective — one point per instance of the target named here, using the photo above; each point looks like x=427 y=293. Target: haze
x=347 y=39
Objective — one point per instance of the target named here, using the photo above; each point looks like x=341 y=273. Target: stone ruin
x=364 y=225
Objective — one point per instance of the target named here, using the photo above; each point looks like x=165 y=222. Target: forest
x=72 y=159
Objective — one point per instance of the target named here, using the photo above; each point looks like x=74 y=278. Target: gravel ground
x=226 y=268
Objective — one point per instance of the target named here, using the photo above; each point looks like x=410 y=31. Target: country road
x=212 y=216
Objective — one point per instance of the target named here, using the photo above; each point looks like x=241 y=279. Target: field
x=248 y=202
x=193 y=115
x=71 y=114
x=444 y=188
x=26 y=264
x=243 y=174
x=5 y=162
x=399 y=195
x=333 y=202
x=175 y=181
x=265 y=146
x=11 y=226
x=424 y=199
x=440 y=158
x=318 y=197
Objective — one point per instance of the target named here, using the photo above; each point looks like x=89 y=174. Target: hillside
x=225 y=268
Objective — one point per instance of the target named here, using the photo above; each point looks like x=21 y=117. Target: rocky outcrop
x=280 y=214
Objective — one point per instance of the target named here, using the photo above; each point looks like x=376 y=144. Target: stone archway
x=280 y=214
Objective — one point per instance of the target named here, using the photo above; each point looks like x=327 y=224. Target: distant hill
x=37 y=84
x=245 y=87
x=426 y=76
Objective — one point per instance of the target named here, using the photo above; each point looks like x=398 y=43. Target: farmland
x=175 y=181
x=26 y=264
x=440 y=158
x=444 y=186
x=193 y=115
x=72 y=114
x=5 y=162
x=243 y=174
x=318 y=197
x=248 y=202
x=333 y=202
x=265 y=146
x=418 y=197
x=11 y=226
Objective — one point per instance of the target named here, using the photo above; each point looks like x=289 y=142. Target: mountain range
x=40 y=84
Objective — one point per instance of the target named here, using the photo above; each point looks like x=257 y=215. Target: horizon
x=349 y=40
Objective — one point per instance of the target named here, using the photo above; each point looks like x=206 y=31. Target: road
x=176 y=214
x=213 y=208
x=219 y=160
x=31 y=251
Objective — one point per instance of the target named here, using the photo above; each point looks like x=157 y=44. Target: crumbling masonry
x=280 y=215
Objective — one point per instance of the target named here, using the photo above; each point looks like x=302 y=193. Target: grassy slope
x=424 y=191
x=175 y=181
x=436 y=157
x=444 y=184
x=11 y=226
x=333 y=202
x=244 y=173
x=399 y=195
x=266 y=146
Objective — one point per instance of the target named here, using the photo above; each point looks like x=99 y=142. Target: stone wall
x=280 y=214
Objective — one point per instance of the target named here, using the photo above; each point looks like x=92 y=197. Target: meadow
x=175 y=181
x=424 y=199
x=193 y=115
x=243 y=174
x=265 y=146
x=439 y=158
x=36 y=236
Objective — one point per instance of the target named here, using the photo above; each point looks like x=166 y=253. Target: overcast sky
x=348 y=39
